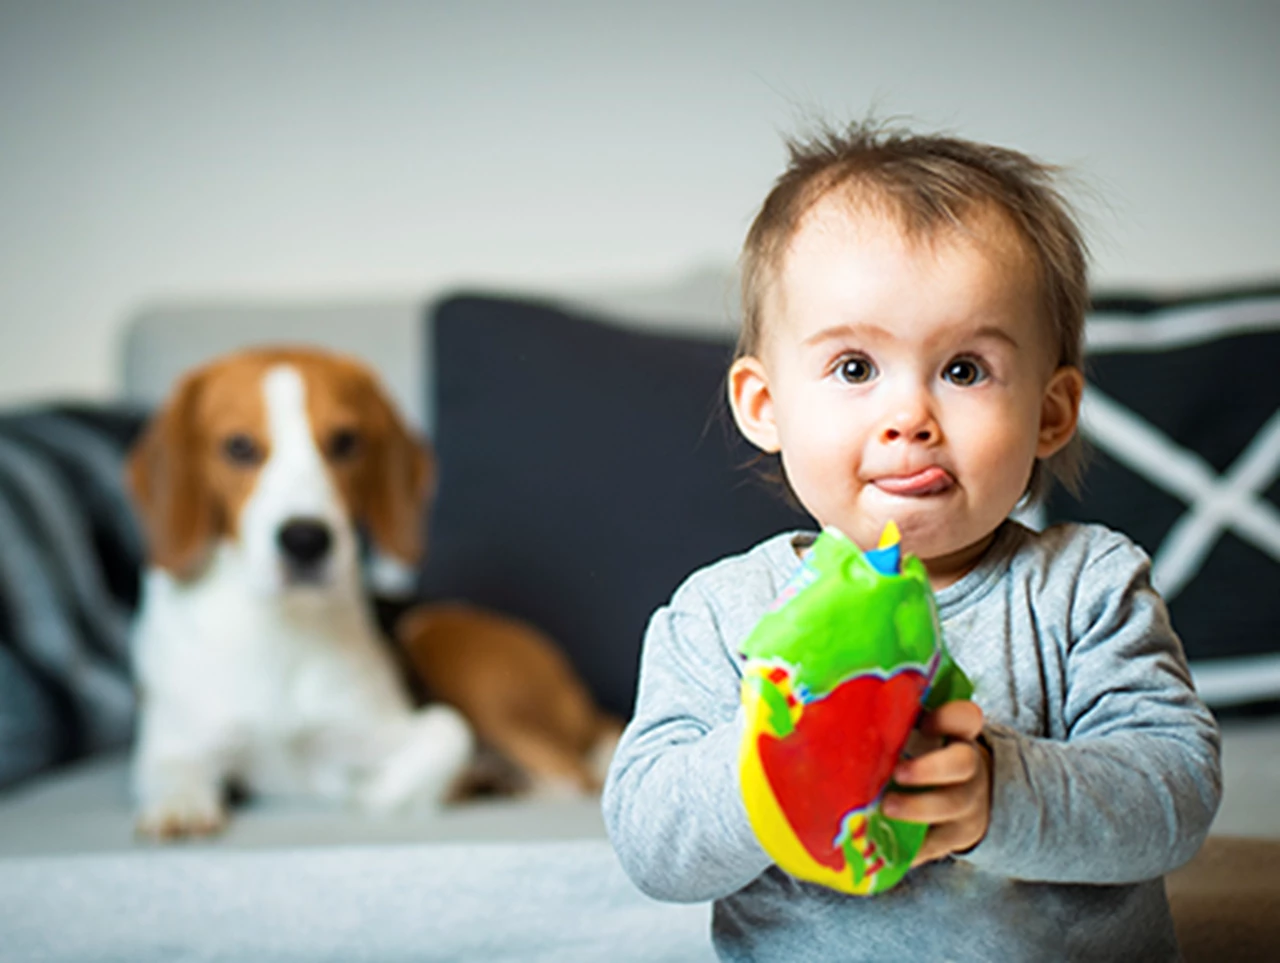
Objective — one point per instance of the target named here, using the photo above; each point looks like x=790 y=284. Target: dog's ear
x=173 y=500
x=398 y=481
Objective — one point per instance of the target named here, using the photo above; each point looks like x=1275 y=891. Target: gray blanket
x=563 y=902
x=69 y=558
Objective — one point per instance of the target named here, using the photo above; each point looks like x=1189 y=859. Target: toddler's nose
x=912 y=426
x=924 y=433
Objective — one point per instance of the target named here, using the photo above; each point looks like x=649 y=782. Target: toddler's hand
x=957 y=804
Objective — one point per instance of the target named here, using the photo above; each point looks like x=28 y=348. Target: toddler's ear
x=752 y=403
x=1059 y=410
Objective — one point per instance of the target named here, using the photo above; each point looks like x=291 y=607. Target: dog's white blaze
x=292 y=483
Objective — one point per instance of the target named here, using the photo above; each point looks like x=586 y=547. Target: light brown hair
x=931 y=183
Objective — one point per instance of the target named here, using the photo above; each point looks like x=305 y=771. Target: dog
x=544 y=734
x=258 y=659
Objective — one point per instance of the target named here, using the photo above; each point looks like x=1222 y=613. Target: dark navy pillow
x=1183 y=414
x=585 y=471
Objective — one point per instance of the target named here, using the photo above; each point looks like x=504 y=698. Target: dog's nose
x=305 y=540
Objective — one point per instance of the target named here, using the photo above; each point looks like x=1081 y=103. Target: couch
x=586 y=467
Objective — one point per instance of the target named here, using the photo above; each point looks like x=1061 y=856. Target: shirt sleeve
x=1130 y=793
x=672 y=802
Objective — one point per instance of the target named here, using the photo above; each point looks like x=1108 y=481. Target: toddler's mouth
x=928 y=481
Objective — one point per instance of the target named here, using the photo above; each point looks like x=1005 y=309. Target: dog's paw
x=422 y=771
x=194 y=813
x=558 y=788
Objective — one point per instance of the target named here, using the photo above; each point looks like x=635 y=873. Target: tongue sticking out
x=929 y=481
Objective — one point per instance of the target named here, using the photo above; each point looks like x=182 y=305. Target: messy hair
x=930 y=184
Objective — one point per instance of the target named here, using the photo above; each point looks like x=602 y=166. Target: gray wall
x=169 y=149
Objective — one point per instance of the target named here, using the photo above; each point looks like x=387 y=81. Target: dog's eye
x=343 y=444
x=240 y=449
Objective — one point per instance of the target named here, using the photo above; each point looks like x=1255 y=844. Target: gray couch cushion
x=165 y=340
x=86 y=808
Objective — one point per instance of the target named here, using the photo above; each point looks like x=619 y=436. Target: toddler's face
x=906 y=379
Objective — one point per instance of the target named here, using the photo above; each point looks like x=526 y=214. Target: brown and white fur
x=257 y=655
x=519 y=693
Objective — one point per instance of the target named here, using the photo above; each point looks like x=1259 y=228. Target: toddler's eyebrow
x=872 y=333
x=865 y=332
x=989 y=332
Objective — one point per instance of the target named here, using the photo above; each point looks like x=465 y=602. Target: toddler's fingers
x=945 y=839
x=944 y=805
x=952 y=764
x=960 y=719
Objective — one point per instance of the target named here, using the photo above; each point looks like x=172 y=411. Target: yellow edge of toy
x=770 y=823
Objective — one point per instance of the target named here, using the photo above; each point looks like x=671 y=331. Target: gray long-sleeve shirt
x=1106 y=770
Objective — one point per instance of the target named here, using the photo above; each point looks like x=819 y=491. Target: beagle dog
x=258 y=658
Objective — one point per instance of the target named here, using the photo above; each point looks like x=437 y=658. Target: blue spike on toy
x=886 y=558
x=886 y=561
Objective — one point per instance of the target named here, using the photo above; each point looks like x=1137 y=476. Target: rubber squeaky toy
x=837 y=673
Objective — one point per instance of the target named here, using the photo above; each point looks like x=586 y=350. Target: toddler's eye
x=856 y=370
x=965 y=372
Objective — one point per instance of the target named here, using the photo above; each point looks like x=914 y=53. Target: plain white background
x=179 y=150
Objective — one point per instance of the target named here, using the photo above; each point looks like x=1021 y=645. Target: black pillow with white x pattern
x=1182 y=412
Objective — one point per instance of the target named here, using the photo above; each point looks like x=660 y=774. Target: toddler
x=911 y=350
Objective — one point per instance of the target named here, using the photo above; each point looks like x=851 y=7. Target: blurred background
x=171 y=150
